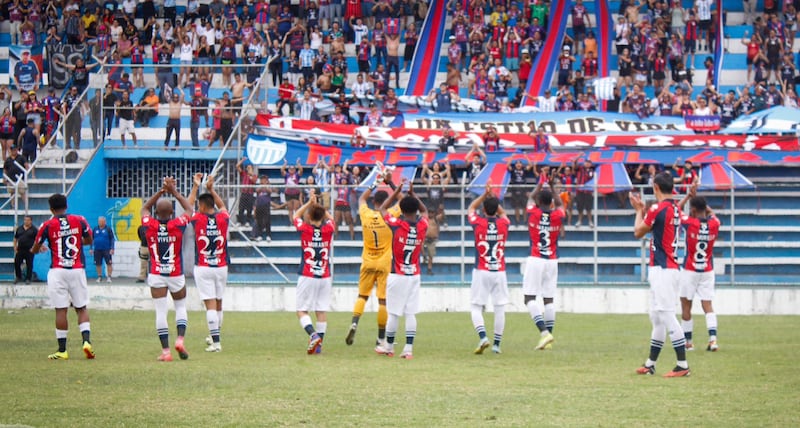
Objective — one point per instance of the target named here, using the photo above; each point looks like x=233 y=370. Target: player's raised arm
x=171 y=187
x=423 y=210
x=390 y=200
x=217 y=200
x=197 y=179
x=689 y=195
x=535 y=192
x=147 y=208
x=300 y=211
x=476 y=203
x=640 y=228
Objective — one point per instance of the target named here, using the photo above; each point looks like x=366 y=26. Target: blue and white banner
x=263 y=151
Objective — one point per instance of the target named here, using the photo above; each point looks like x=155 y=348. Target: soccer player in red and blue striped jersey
x=402 y=286
x=65 y=235
x=489 y=276
x=697 y=276
x=662 y=220
x=210 y=223
x=540 y=277
x=314 y=284
x=164 y=238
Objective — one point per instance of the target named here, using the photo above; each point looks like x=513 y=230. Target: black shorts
x=749 y=61
x=579 y=31
x=342 y=208
x=583 y=201
x=100 y=255
x=518 y=198
x=563 y=78
x=295 y=197
x=6 y=135
x=659 y=75
x=774 y=62
x=690 y=46
x=705 y=24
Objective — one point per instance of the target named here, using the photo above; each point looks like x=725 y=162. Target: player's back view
x=65 y=234
x=211 y=250
x=376 y=260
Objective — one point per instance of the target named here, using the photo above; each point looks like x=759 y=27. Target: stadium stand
x=765 y=233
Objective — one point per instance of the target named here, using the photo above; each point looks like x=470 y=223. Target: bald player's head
x=164 y=209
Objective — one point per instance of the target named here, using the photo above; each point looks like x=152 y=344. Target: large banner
x=266 y=151
x=553 y=123
x=15 y=54
x=514 y=134
x=59 y=76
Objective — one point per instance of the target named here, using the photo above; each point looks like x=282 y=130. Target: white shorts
x=402 y=294
x=485 y=284
x=663 y=288
x=125 y=127
x=210 y=281
x=67 y=285
x=697 y=284
x=174 y=283
x=313 y=294
x=540 y=277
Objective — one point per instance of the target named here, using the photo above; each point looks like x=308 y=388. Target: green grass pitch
x=263 y=377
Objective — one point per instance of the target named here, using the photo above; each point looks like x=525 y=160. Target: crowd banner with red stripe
x=271 y=151
x=498 y=175
x=722 y=176
x=547 y=59
x=609 y=178
x=719 y=49
x=425 y=63
x=511 y=138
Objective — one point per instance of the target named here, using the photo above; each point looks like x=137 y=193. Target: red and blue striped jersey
x=664 y=218
x=165 y=243
x=491 y=234
x=51 y=104
x=407 y=238
x=544 y=228
x=64 y=235
x=315 y=244
x=211 y=238
x=701 y=234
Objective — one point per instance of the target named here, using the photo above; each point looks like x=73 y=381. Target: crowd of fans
x=491 y=51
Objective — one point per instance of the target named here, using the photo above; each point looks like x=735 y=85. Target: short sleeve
x=650 y=215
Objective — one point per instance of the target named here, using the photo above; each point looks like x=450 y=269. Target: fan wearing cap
x=565 y=61
x=26 y=73
x=34 y=109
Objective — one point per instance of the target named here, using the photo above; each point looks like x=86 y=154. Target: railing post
x=594 y=233
x=733 y=233
x=463 y=226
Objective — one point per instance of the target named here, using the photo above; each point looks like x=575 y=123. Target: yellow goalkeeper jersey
x=377 y=234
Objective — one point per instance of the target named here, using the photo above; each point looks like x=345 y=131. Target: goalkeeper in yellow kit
x=376 y=258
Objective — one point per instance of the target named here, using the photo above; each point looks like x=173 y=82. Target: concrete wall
x=729 y=301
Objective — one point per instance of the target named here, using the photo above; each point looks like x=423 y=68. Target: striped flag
x=497 y=173
x=722 y=176
x=546 y=61
x=609 y=178
x=604 y=88
x=719 y=50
